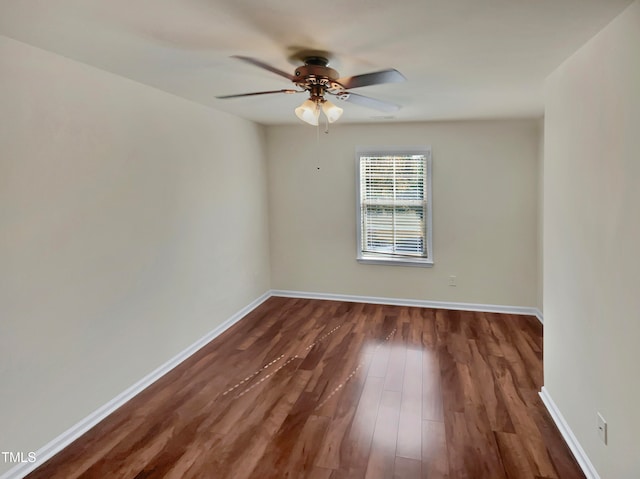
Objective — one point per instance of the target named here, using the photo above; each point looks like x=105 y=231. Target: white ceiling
x=462 y=58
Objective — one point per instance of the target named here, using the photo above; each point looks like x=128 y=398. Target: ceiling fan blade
x=224 y=97
x=265 y=66
x=375 y=78
x=368 y=102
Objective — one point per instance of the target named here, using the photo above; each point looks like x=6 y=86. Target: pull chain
x=318 y=147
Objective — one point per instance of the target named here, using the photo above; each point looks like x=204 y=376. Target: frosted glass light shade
x=308 y=112
x=333 y=112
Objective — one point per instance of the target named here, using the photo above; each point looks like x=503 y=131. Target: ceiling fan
x=319 y=80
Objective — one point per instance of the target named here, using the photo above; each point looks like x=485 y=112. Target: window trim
x=383 y=259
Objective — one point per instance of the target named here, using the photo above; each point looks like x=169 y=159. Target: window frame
x=385 y=258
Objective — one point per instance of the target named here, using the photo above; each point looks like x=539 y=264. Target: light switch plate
x=602 y=428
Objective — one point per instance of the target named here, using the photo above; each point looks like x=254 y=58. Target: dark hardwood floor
x=328 y=390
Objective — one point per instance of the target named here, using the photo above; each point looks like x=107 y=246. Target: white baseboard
x=571 y=440
x=539 y=315
x=420 y=303
x=63 y=440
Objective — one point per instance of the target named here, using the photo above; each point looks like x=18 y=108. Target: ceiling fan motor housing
x=316 y=72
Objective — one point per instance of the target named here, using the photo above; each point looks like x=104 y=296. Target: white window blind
x=393 y=206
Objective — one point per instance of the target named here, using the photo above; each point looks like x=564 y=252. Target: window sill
x=419 y=262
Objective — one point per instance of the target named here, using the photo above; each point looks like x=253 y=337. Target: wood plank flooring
x=332 y=390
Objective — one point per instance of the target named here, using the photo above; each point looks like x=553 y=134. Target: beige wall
x=484 y=217
x=591 y=239
x=540 y=219
x=132 y=223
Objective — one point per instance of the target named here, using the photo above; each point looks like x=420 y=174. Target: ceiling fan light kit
x=319 y=80
x=332 y=112
x=309 y=112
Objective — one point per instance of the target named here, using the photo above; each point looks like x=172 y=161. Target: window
x=394 y=206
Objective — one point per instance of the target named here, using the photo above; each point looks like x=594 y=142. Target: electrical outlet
x=602 y=428
x=453 y=281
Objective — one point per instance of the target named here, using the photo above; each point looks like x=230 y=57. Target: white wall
x=591 y=240
x=484 y=217
x=132 y=223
